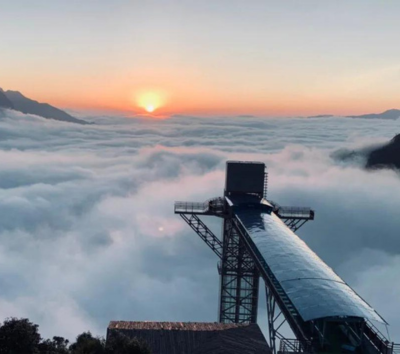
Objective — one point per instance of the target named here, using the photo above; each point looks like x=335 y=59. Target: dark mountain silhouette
x=4 y=101
x=387 y=156
x=25 y=105
x=389 y=114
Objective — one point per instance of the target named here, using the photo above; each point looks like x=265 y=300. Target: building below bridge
x=195 y=337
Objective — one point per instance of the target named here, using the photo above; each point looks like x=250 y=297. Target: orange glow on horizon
x=164 y=98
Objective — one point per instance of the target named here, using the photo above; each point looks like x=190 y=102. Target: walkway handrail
x=284 y=211
x=379 y=340
x=190 y=206
x=213 y=206
x=294 y=346
x=272 y=282
x=396 y=348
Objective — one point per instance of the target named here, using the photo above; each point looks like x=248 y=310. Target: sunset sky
x=204 y=57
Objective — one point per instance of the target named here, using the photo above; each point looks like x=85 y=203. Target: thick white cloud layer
x=88 y=234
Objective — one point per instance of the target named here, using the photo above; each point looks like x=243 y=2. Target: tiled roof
x=195 y=337
x=174 y=326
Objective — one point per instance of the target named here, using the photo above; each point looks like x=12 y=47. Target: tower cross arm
x=204 y=232
x=293 y=217
x=213 y=206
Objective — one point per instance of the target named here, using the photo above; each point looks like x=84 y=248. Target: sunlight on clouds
x=99 y=210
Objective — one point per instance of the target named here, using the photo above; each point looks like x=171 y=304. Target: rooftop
x=173 y=326
x=195 y=337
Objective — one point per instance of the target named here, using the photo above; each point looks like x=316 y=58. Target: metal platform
x=214 y=206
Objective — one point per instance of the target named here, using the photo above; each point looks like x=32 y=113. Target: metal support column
x=239 y=280
x=276 y=320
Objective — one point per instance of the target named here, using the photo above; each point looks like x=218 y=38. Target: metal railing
x=294 y=212
x=378 y=339
x=213 y=204
x=290 y=314
x=396 y=348
x=190 y=207
x=294 y=346
x=265 y=185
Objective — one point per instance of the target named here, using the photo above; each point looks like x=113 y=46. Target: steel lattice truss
x=249 y=238
x=239 y=280
x=239 y=275
x=239 y=286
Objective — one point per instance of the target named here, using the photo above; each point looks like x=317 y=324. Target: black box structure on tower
x=258 y=241
x=245 y=178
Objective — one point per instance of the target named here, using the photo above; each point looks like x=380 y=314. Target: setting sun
x=150 y=101
x=150 y=108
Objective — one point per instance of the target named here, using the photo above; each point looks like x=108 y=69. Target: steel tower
x=252 y=227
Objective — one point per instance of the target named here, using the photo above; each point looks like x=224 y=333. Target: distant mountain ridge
x=373 y=157
x=389 y=114
x=4 y=101
x=386 y=156
x=16 y=100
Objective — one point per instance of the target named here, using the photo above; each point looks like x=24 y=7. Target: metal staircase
x=275 y=296
x=379 y=341
x=265 y=185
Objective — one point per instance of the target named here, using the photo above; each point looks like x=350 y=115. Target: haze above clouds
x=262 y=57
x=88 y=233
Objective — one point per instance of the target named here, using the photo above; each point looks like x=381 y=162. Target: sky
x=274 y=58
x=88 y=232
